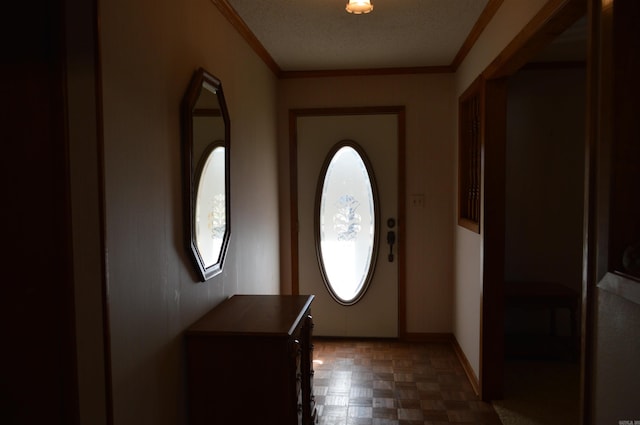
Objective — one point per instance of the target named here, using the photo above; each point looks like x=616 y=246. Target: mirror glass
x=210 y=215
x=206 y=164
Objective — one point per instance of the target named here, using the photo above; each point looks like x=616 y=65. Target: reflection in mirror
x=210 y=218
x=206 y=164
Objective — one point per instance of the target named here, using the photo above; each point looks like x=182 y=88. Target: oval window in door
x=346 y=222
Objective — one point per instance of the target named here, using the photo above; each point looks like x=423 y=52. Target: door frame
x=399 y=111
x=554 y=17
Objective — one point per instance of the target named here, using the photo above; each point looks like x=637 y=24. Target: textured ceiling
x=312 y=35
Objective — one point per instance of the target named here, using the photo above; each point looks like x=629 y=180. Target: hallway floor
x=385 y=382
x=530 y=384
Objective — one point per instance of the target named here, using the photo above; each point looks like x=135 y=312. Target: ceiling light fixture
x=359 y=7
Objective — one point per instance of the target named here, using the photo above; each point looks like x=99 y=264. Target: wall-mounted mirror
x=206 y=172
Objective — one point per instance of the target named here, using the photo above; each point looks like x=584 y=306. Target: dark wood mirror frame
x=193 y=157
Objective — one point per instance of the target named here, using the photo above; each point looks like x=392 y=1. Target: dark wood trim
x=106 y=318
x=471 y=225
x=611 y=149
x=402 y=229
x=485 y=17
x=293 y=186
x=443 y=69
x=554 y=17
x=207 y=112
x=61 y=212
x=590 y=257
x=624 y=226
x=494 y=142
x=232 y=16
x=192 y=167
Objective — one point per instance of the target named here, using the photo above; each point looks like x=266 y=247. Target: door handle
x=391 y=239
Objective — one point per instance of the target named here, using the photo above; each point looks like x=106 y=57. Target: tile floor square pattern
x=386 y=382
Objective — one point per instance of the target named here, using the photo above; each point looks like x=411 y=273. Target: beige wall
x=512 y=16
x=149 y=53
x=429 y=167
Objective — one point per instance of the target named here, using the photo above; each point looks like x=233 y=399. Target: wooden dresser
x=249 y=361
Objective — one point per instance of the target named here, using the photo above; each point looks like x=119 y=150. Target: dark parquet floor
x=386 y=382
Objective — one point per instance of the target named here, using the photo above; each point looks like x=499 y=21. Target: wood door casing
x=554 y=17
x=399 y=111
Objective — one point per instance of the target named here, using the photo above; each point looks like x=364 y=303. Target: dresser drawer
x=248 y=362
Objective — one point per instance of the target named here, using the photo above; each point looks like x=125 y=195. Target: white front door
x=375 y=314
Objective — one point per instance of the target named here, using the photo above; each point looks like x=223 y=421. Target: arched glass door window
x=346 y=222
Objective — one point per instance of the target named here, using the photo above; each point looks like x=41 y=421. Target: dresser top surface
x=267 y=315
